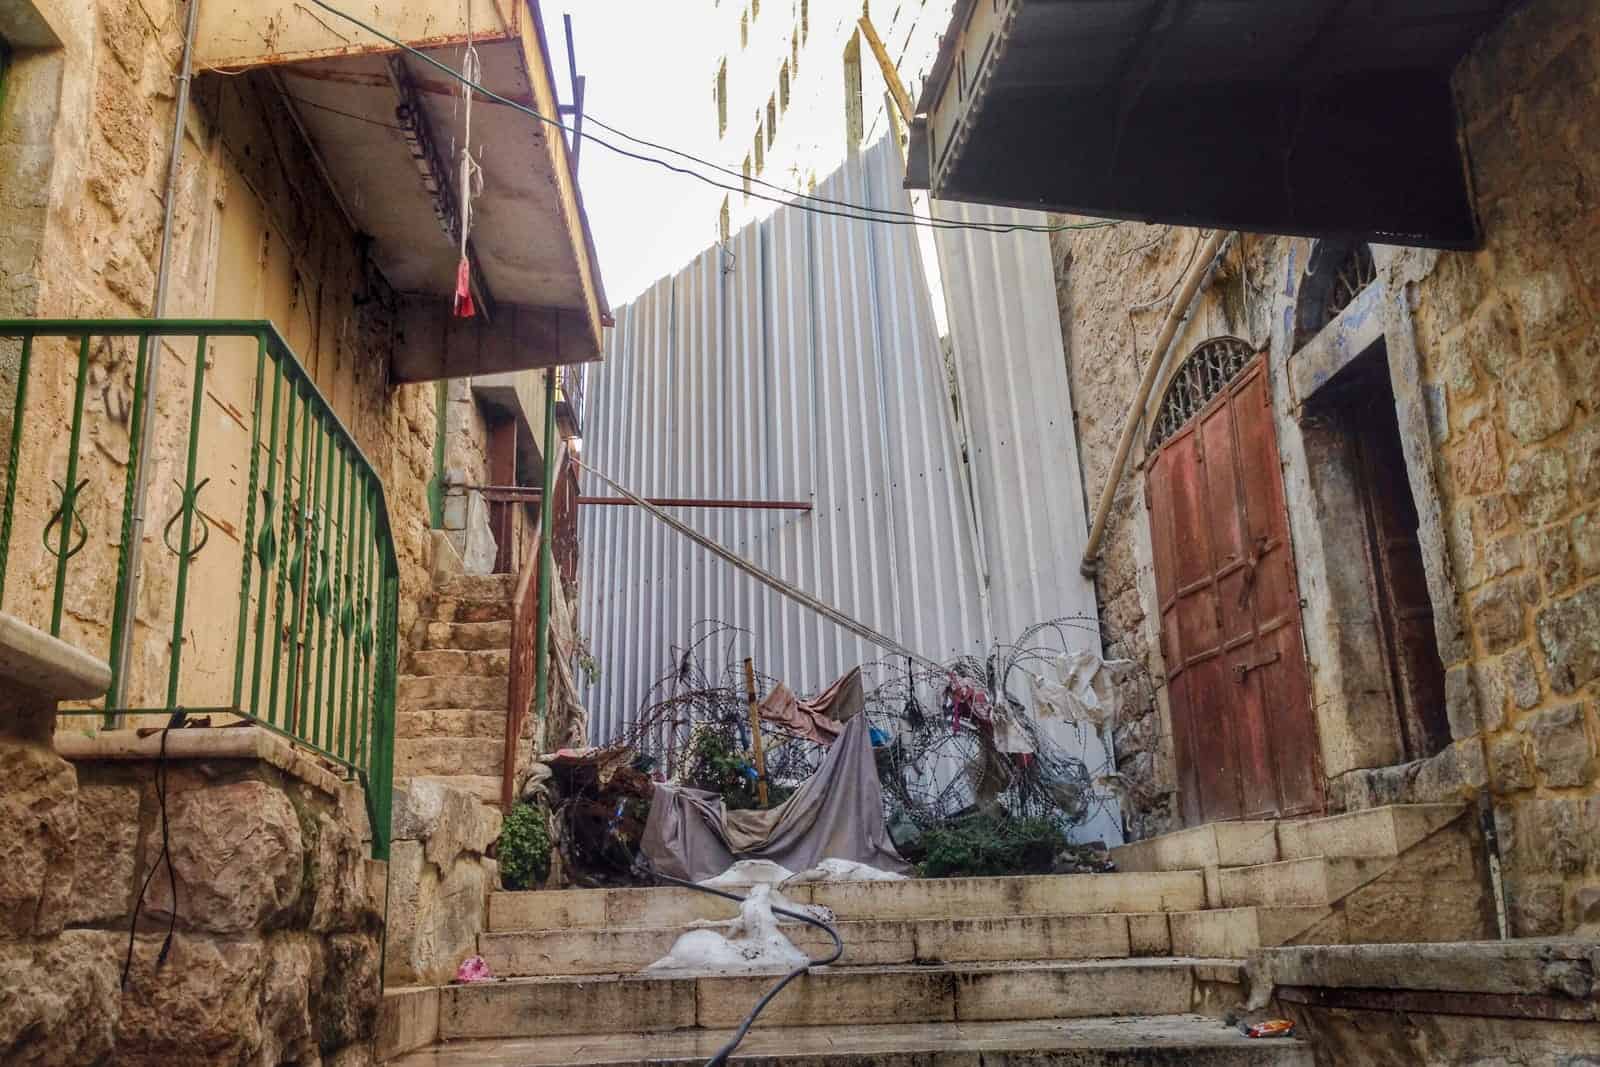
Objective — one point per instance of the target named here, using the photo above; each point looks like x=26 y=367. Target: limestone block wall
x=275 y=948
x=1509 y=339
x=1495 y=363
x=442 y=880
x=84 y=135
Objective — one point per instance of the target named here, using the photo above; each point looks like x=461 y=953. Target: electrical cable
x=164 y=856
x=722 y=1054
x=886 y=216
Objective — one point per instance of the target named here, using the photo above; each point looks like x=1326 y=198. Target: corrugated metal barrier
x=802 y=362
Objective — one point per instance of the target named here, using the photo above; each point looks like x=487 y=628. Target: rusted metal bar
x=531 y=495
x=755 y=731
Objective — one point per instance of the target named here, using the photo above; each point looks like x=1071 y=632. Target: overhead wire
x=852 y=211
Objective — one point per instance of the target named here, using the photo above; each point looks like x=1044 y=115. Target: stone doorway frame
x=1356 y=725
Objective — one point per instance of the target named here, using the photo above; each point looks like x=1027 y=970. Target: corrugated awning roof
x=1333 y=116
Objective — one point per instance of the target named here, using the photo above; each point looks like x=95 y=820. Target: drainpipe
x=547 y=509
x=1169 y=329
x=158 y=308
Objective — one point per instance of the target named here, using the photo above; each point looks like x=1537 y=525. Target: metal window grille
x=1355 y=272
x=1203 y=375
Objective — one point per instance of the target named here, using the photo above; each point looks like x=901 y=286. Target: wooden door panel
x=1243 y=730
x=1215 y=751
x=1190 y=529
x=1292 y=734
x=1221 y=487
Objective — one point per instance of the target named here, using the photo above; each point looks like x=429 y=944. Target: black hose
x=727 y=1050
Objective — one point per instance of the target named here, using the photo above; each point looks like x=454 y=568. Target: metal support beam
x=530 y=495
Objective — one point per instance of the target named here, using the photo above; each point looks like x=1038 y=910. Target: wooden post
x=755 y=730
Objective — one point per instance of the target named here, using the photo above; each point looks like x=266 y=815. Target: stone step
x=840 y=997
x=487 y=662
x=868 y=942
x=446 y=757
x=1386 y=831
x=476 y=587
x=1191 y=1040
x=466 y=636
x=467 y=609
x=421 y=692
x=451 y=722
x=1316 y=881
x=1234 y=933
x=1220 y=844
x=916 y=898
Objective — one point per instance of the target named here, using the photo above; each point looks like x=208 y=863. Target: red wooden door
x=1243 y=732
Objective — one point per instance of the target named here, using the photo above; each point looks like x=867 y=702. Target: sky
x=649 y=66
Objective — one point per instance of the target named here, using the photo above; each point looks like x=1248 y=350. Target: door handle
x=1241 y=671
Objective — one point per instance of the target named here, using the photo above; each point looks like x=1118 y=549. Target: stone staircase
x=1138 y=966
x=451 y=701
x=1065 y=969
x=1404 y=873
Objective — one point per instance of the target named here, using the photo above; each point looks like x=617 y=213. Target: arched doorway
x=1243 y=730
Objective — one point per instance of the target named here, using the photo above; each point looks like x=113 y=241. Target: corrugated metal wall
x=803 y=363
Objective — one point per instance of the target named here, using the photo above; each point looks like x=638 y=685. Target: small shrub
x=982 y=845
x=524 y=848
x=716 y=766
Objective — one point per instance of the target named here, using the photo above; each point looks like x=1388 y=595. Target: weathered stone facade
x=275 y=948
x=1494 y=358
x=257 y=234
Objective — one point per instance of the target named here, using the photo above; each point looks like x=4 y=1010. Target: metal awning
x=1322 y=117
x=386 y=129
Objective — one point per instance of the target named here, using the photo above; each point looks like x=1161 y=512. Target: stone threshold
x=202 y=743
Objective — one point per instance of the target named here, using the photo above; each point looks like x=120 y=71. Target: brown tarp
x=837 y=813
x=820 y=720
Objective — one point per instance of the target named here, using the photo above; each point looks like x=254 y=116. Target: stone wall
x=1495 y=360
x=258 y=234
x=442 y=881
x=1510 y=344
x=275 y=947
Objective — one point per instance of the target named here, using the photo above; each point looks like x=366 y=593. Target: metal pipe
x=1169 y=330
x=527 y=494
x=547 y=508
x=130 y=610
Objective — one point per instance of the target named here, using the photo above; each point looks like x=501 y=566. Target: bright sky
x=650 y=66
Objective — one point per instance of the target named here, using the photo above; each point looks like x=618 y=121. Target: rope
x=768 y=579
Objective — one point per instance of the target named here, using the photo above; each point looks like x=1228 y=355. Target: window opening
x=760 y=147
x=783 y=88
x=1204 y=374
x=772 y=120
x=1336 y=276
x=805 y=20
x=744 y=29
x=746 y=170
x=725 y=221
x=5 y=66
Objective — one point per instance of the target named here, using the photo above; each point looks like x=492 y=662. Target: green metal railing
x=313 y=641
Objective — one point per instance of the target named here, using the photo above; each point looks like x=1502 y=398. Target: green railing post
x=69 y=491
x=125 y=546
x=186 y=550
x=267 y=548
x=250 y=522
x=14 y=457
x=547 y=510
x=279 y=632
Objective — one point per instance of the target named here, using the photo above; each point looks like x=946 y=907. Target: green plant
x=718 y=767
x=991 y=845
x=524 y=848
x=586 y=661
